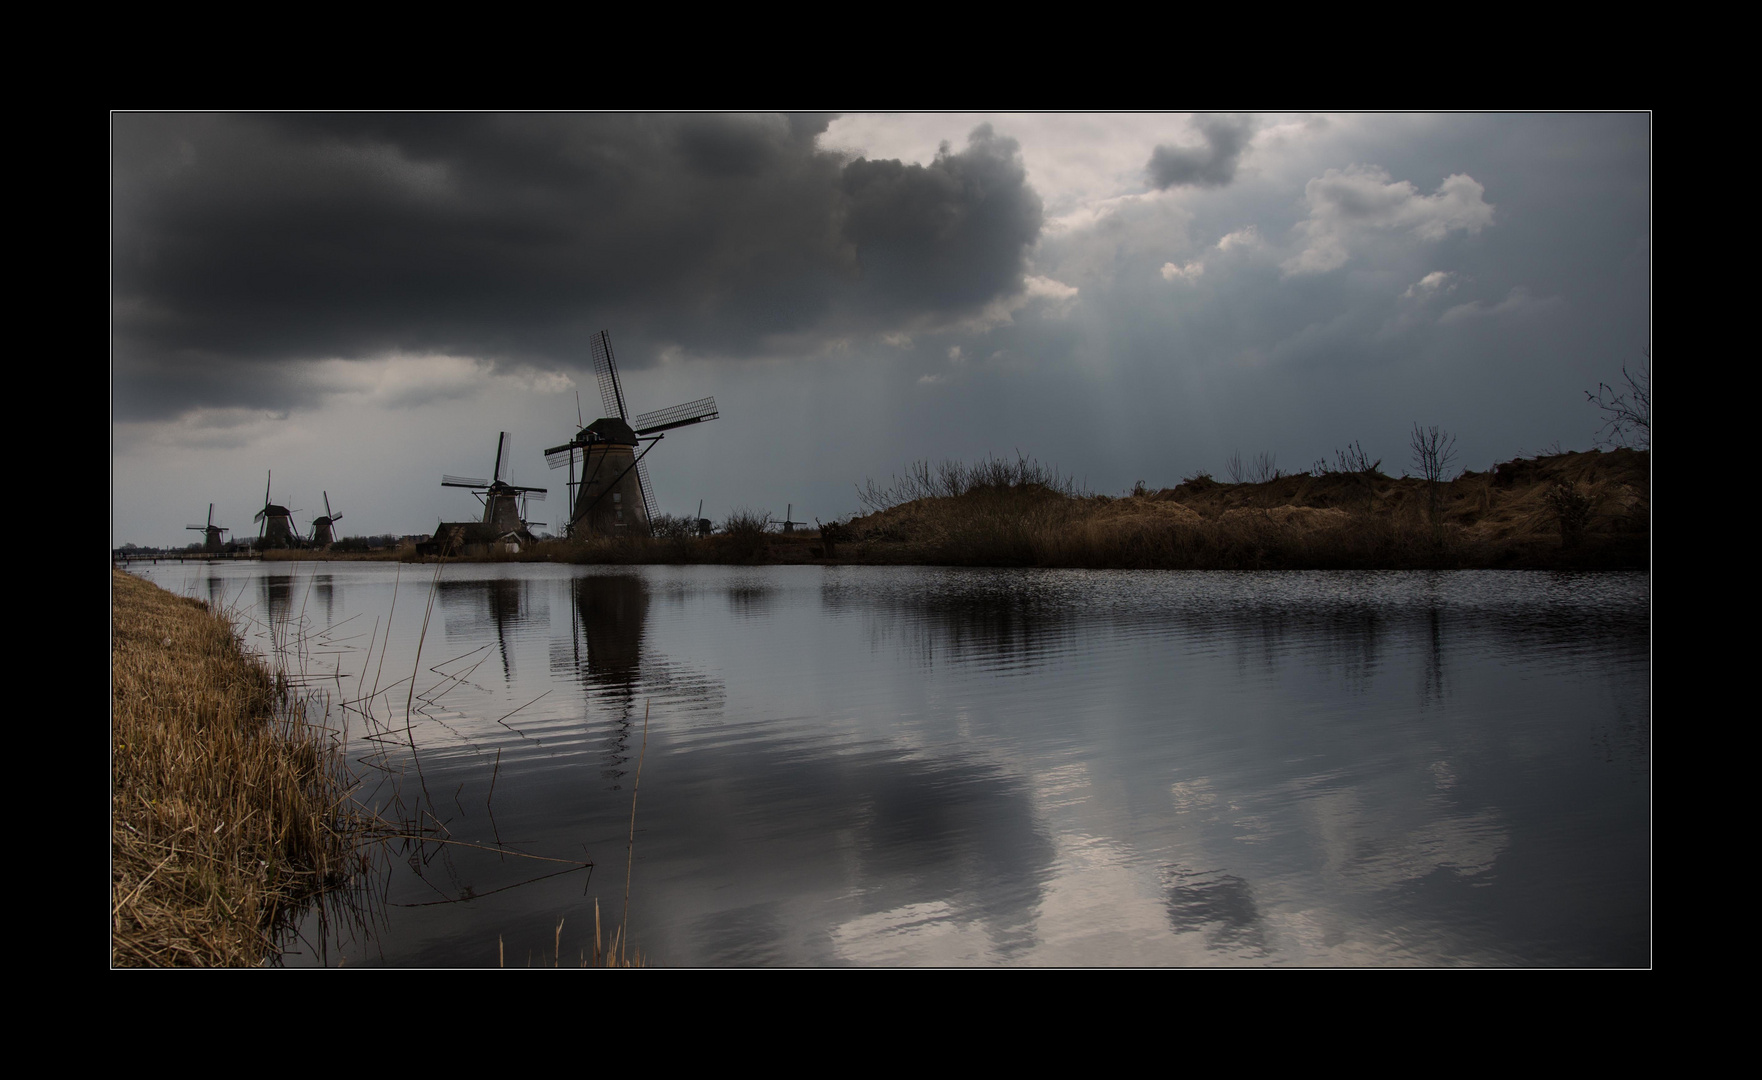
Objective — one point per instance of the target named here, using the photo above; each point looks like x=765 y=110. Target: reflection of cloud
x=1219 y=905
x=1375 y=850
x=925 y=934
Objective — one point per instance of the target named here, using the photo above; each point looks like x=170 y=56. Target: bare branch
x=1627 y=412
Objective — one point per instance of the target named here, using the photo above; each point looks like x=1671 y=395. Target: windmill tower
x=275 y=523
x=504 y=503
x=323 y=534
x=613 y=495
x=211 y=532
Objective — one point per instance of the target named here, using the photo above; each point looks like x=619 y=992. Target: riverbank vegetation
x=1563 y=511
x=227 y=807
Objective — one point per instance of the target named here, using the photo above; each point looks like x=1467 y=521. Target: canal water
x=923 y=766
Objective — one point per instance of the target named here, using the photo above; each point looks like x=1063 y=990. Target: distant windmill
x=788 y=525
x=504 y=504
x=210 y=532
x=322 y=532
x=276 y=523
x=614 y=494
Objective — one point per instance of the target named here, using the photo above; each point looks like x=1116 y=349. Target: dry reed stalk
x=630 y=852
x=227 y=807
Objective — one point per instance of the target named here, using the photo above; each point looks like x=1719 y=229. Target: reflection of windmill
x=322 y=535
x=614 y=494
x=276 y=523
x=210 y=532
x=504 y=509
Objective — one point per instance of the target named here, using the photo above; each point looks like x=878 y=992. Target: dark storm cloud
x=244 y=239
x=1211 y=165
x=946 y=236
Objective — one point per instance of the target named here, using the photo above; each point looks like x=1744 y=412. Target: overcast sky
x=362 y=302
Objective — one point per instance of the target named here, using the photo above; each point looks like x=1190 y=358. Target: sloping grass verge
x=227 y=807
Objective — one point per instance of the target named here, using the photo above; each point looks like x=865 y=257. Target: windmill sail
x=647 y=487
x=611 y=394
x=504 y=459
x=692 y=412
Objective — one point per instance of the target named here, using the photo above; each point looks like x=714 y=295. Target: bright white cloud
x=1188 y=272
x=1245 y=239
x=1436 y=283
x=1348 y=206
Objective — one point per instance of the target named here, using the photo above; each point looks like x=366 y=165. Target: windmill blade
x=611 y=394
x=261 y=514
x=210 y=513
x=533 y=494
x=504 y=459
x=558 y=456
x=269 y=474
x=202 y=527
x=462 y=481
x=692 y=412
x=327 y=512
x=648 y=489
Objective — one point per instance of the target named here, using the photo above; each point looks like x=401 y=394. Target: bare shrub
x=672 y=527
x=1627 y=411
x=743 y=522
x=1572 y=509
x=952 y=479
x=1264 y=468
x=1353 y=459
x=1434 y=453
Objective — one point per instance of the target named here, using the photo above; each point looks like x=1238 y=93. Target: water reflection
x=1220 y=906
x=918 y=765
x=495 y=609
x=608 y=615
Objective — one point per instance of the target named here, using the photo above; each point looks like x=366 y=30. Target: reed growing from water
x=227 y=805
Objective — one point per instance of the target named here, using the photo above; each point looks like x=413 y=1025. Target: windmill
x=210 y=532
x=504 y=504
x=788 y=525
x=276 y=523
x=322 y=534
x=613 y=494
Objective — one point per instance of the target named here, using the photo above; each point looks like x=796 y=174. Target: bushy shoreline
x=1506 y=518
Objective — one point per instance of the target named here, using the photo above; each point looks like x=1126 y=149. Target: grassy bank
x=225 y=806
x=1566 y=511
x=1562 y=511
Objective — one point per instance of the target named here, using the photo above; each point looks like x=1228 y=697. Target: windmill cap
x=612 y=429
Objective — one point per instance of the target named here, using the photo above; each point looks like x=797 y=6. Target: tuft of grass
x=228 y=807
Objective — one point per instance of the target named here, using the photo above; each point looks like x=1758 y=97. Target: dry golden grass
x=225 y=806
x=1501 y=518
